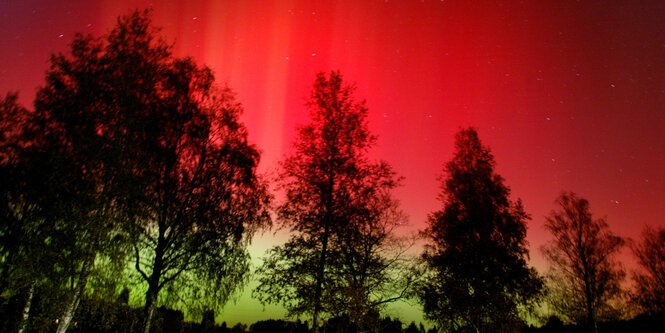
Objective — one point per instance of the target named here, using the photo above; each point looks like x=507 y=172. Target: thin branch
x=138 y=264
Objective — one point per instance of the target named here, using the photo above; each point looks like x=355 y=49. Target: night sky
x=569 y=95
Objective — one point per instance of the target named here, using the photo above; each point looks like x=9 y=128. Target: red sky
x=569 y=95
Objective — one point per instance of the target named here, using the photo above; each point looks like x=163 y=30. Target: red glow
x=568 y=95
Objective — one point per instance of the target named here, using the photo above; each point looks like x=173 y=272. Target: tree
x=476 y=275
x=339 y=210
x=586 y=276
x=90 y=116
x=412 y=328
x=272 y=325
x=207 y=203
x=154 y=156
x=202 y=199
x=649 y=281
x=20 y=262
x=369 y=264
x=42 y=200
x=13 y=118
x=389 y=325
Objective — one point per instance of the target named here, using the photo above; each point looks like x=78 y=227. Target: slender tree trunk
x=318 y=291
x=315 y=321
x=70 y=309
x=23 y=324
x=319 y=279
x=153 y=284
x=587 y=284
x=150 y=301
x=591 y=318
x=591 y=315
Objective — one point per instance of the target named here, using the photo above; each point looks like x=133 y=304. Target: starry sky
x=569 y=95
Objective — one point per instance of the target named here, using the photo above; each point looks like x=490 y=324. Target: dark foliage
x=585 y=277
x=390 y=325
x=412 y=328
x=338 y=206
x=279 y=325
x=129 y=150
x=60 y=207
x=208 y=322
x=477 y=275
x=182 y=158
x=649 y=293
x=554 y=324
x=340 y=324
x=272 y=325
x=103 y=316
x=25 y=255
x=647 y=324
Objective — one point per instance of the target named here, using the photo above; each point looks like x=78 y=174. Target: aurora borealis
x=568 y=95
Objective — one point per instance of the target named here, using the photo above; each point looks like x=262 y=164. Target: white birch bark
x=26 y=309
x=67 y=316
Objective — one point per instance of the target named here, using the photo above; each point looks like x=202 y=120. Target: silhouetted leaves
x=130 y=148
x=649 y=292
x=134 y=154
x=586 y=276
x=18 y=220
x=477 y=275
x=200 y=199
x=338 y=205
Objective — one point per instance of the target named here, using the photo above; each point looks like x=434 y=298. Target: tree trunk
x=70 y=310
x=23 y=324
x=589 y=318
x=150 y=299
x=315 y=321
x=319 y=280
x=318 y=291
x=153 y=284
x=591 y=311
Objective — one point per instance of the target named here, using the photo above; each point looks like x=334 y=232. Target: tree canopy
x=476 y=270
x=585 y=277
x=341 y=214
x=649 y=293
x=139 y=153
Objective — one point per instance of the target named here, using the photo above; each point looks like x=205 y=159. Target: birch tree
x=649 y=279
x=156 y=164
x=586 y=275
x=339 y=210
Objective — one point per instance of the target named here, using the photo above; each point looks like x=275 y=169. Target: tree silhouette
x=13 y=118
x=477 y=275
x=53 y=194
x=92 y=116
x=24 y=256
x=586 y=276
x=412 y=328
x=145 y=152
x=650 y=279
x=369 y=265
x=202 y=199
x=340 y=212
